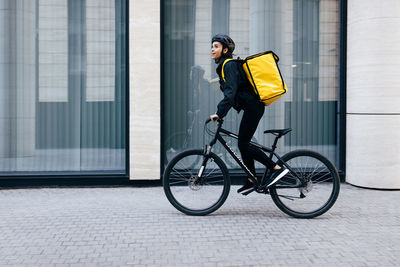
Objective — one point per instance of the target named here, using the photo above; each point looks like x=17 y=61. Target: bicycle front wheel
x=310 y=188
x=191 y=194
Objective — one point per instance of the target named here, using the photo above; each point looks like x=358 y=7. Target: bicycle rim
x=191 y=195
x=317 y=193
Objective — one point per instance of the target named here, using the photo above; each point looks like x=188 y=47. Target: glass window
x=63 y=106
x=53 y=50
x=304 y=33
x=100 y=50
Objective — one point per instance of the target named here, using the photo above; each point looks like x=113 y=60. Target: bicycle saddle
x=279 y=132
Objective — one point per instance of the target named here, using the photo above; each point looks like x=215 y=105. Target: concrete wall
x=373 y=78
x=144 y=110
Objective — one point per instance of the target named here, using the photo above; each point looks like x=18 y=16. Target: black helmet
x=226 y=41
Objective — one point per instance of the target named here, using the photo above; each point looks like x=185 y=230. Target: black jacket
x=237 y=90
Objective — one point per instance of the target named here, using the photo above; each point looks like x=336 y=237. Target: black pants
x=252 y=115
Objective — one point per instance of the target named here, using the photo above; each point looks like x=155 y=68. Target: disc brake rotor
x=193 y=185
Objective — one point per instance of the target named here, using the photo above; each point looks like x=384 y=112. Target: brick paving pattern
x=138 y=227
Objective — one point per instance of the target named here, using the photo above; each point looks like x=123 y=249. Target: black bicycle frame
x=271 y=152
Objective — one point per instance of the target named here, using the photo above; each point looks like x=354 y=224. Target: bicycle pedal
x=248 y=192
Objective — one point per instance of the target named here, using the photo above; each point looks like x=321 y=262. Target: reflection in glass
x=63 y=93
x=303 y=33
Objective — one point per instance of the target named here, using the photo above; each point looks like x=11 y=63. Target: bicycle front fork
x=207 y=151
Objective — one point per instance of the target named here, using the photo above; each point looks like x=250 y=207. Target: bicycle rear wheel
x=311 y=189
x=193 y=195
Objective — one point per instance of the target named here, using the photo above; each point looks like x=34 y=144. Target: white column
x=144 y=89
x=373 y=95
x=17 y=78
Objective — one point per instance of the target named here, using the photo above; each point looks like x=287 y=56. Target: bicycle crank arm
x=248 y=192
x=258 y=190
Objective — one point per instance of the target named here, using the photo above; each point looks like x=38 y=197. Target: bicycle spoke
x=317 y=181
x=180 y=179
x=179 y=182
x=188 y=170
x=312 y=173
x=180 y=174
x=209 y=173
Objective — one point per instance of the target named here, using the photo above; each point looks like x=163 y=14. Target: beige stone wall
x=373 y=110
x=144 y=87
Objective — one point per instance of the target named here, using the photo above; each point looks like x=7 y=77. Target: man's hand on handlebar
x=214 y=117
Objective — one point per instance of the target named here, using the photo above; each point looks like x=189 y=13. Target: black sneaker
x=246 y=186
x=276 y=175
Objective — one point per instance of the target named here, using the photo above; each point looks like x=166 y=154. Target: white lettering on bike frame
x=238 y=158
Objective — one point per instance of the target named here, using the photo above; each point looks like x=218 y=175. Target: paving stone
x=127 y=226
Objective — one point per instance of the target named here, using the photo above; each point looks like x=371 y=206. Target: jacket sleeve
x=230 y=88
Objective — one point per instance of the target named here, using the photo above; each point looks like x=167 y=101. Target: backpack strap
x=222 y=70
x=275 y=56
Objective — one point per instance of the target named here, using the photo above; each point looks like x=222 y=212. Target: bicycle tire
x=321 y=179
x=180 y=186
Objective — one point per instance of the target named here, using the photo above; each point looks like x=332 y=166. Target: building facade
x=116 y=88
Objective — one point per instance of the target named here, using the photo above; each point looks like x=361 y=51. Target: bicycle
x=310 y=188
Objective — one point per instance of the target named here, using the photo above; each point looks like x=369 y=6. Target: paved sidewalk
x=138 y=226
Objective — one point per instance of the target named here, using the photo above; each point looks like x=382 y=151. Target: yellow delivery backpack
x=264 y=75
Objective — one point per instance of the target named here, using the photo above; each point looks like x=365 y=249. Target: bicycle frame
x=271 y=151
